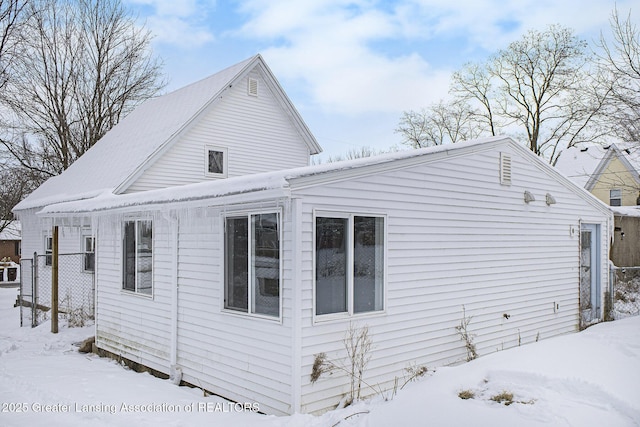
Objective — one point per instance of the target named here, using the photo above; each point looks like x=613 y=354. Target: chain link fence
x=75 y=290
x=625 y=292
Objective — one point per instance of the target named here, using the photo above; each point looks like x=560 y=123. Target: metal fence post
x=34 y=291
x=54 y=281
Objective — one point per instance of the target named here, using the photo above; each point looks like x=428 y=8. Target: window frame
x=85 y=252
x=350 y=312
x=225 y=161
x=48 y=250
x=619 y=197
x=136 y=290
x=251 y=285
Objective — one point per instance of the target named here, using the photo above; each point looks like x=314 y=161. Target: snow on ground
x=591 y=378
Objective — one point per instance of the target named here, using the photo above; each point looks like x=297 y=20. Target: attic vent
x=505 y=169
x=252 y=87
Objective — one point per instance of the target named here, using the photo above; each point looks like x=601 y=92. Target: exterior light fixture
x=550 y=199
x=528 y=197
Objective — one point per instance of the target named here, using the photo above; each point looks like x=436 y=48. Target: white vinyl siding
x=133 y=326
x=239 y=123
x=456 y=237
x=241 y=357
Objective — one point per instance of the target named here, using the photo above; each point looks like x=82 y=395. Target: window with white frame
x=48 y=250
x=615 y=197
x=349 y=264
x=89 y=253
x=215 y=161
x=137 y=262
x=252 y=264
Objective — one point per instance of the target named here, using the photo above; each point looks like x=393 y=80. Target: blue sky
x=351 y=67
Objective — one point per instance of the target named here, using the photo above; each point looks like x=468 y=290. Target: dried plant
x=466 y=336
x=357 y=344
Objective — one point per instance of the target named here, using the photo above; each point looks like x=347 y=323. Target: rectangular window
x=48 y=250
x=349 y=261
x=615 y=197
x=138 y=256
x=252 y=264
x=89 y=245
x=216 y=162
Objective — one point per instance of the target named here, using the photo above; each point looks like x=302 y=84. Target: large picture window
x=349 y=264
x=252 y=264
x=138 y=257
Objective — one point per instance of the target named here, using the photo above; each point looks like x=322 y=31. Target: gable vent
x=252 y=87
x=505 y=169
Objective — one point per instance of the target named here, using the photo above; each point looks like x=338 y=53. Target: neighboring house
x=10 y=239
x=609 y=172
x=612 y=174
x=240 y=280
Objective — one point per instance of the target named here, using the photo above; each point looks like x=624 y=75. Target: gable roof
x=584 y=165
x=270 y=185
x=150 y=129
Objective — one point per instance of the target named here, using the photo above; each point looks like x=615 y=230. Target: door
x=590 y=276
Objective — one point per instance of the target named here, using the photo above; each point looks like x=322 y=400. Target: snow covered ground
x=591 y=378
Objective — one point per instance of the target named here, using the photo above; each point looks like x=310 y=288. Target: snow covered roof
x=583 y=164
x=13 y=231
x=279 y=183
x=135 y=140
x=579 y=163
x=626 y=210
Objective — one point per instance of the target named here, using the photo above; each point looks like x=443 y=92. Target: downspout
x=296 y=310
x=96 y=257
x=175 y=370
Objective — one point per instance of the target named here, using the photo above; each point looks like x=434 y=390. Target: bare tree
x=620 y=68
x=538 y=89
x=441 y=123
x=473 y=85
x=12 y=15
x=17 y=182
x=85 y=65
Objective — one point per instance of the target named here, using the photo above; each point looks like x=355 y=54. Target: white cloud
x=182 y=23
x=329 y=46
x=370 y=56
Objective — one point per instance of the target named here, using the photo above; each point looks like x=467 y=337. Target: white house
x=238 y=281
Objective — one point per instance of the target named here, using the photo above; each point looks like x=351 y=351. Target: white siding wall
x=241 y=357
x=256 y=131
x=32 y=233
x=134 y=326
x=455 y=237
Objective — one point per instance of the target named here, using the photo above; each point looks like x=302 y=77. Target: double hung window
x=349 y=264
x=615 y=197
x=138 y=256
x=48 y=250
x=252 y=264
x=89 y=251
